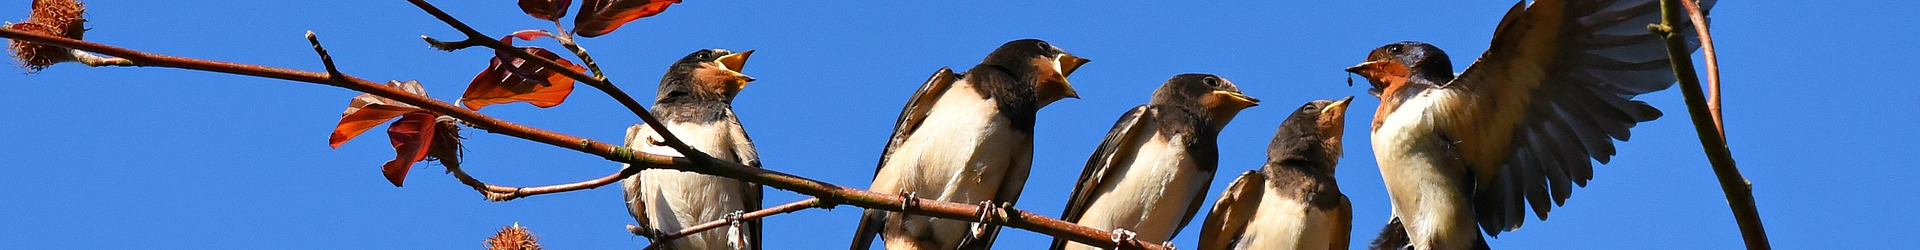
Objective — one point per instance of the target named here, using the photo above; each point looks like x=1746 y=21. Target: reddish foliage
x=510 y=79
x=411 y=136
x=599 y=17
x=546 y=9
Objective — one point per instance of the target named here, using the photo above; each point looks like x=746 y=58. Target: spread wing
x=745 y=153
x=1232 y=211
x=1553 y=90
x=910 y=118
x=1112 y=150
x=631 y=185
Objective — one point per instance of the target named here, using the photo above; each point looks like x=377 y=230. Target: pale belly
x=960 y=154
x=1150 y=197
x=674 y=200
x=1424 y=179
x=1286 y=223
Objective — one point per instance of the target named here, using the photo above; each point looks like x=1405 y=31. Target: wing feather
x=1232 y=211
x=1111 y=150
x=1553 y=91
x=910 y=118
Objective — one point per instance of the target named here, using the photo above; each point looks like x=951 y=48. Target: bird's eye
x=1394 y=48
x=703 y=55
x=1044 y=46
x=1309 y=107
x=1212 y=81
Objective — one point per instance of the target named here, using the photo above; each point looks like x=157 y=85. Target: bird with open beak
x=1518 y=127
x=1149 y=176
x=1293 y=202
x=967 y=138
x=695 y=103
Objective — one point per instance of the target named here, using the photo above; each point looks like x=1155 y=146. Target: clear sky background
x=117 y=158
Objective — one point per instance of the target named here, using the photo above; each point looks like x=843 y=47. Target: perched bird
x=1149 y=175
x=1292 y=202
x=1518 y=126
x=695 y=103
x=966 y=138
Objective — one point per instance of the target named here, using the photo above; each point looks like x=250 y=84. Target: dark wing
x=1112 y=149
x=1232 y=211
x=630 y=187
x=1343 y=225
x=1553 y=90
x=745 y=153
x=910 y=117
x=1393 y=236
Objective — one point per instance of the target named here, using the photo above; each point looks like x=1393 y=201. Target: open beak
x=735 y=62
x=1237 y=98
x=1069 y=63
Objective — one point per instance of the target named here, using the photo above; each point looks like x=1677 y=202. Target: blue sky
x=172 y=159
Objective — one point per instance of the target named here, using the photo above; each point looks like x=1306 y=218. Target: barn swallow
x=1519 y=125
x=1292 y=202
x=696 y=103
x=1149 y=175
x=966 y=138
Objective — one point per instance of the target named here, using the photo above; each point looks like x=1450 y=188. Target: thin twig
x=829 y=194
x=325 y=59
x=1738 y=189
x=1713 y=63
x=755 y=215
x=601 y=83
x=566 y=40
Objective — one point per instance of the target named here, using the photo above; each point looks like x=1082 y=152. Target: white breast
x=959 y=154
x=1151 y=193
x=1423 y=176
x=674 y=199
x=1284 y=223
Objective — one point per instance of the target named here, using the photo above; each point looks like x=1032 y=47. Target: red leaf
x=412 y=135
x=599 y=17
x=367 y=111
x=510 y=79
x=546 y=9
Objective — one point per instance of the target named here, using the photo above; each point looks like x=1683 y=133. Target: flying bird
x=695 y=103
x=1150 y=174
x=1292 y=202
x=1516 y=129
x=967 y=138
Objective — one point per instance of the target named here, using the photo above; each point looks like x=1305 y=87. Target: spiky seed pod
x=50 y=17
x=513 y=238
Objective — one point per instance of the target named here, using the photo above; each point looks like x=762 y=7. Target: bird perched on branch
x=966 y=138
x=695 y=103
x=1291 y=203
x=1517 y=128
x=1148 y=177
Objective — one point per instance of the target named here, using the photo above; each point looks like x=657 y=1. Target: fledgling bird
x=1149 y=175
x=695 y=103
x=966 y=138
x=1292 y=202
x=1519 y=125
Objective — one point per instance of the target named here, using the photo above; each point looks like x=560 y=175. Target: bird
x=1292 y=202
x=1149 y=176
x=695 y=103
x=1517 y=128
x=966 y=138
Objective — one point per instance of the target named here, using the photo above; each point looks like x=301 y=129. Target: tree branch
x=474 y=37
x=829 y=194
x=1738 y=189
x=755 y=215
x=1713 y=64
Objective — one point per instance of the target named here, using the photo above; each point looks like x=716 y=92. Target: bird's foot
x=1168 y=245
x=909 y=200
x=737 y=238
x=1121 y=235
x=986 y=218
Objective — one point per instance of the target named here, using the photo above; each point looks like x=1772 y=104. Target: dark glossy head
x=1211 y=97
x=1399 y=62
x=1048 y=65
x=1313 y=133
x=708 y=74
